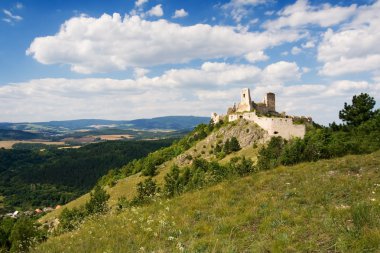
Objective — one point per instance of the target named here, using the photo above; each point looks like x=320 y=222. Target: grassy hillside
x=325 y=206
x=126 y=187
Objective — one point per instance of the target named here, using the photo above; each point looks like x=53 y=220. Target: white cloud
x=140 y=3
x=109 y=43
x=140 y=72
x=238 y=8
x=355 y=47
x=11 y=17
x=178 y=91
x=309 y=44
x=280 y=72
x=296 y=50
x=301 y=13
x=247 y=2
x=191 y=91
x=256 y=56
x=156 y=11
x=180 y=13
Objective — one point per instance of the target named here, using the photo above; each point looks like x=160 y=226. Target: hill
x=167 y=123
x=6 y=134
x=324 y=206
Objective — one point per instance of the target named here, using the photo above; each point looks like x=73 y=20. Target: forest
x=41 y=176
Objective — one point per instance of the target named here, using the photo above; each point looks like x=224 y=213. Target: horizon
x=152 y=58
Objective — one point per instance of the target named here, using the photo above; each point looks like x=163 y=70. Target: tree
x=234 y=145
x=98 y=201
x=22 y=235
x=360 y=111
x=172 y=182
x=145 y=190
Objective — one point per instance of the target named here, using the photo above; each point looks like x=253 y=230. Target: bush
x=241 y=166
x=24 y=234
x=70 y=219
x=145 y=191
x=98 y=201
x=269 y=156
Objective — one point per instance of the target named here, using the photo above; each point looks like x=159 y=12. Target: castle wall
x=245 y=104
x=270 y=101
x=283 y=127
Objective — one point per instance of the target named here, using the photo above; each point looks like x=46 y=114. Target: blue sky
x=124 y=59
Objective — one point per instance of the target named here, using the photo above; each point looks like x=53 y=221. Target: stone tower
x=246 y=102
x=270 y=101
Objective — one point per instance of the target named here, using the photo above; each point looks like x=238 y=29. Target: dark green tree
x=145 y=190
x=98 y=201
x=234 y=145
x=172 y=182
x=226 y=147
x=360 y=111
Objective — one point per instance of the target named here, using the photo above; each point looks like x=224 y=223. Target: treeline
x=35 y=178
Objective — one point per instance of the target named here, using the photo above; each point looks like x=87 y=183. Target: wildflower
x=170 y=238
x=373 y=199
x=180 y=247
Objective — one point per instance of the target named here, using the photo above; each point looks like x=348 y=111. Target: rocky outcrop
x=246 y=132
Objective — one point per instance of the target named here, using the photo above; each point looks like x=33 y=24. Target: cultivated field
x=9 y=144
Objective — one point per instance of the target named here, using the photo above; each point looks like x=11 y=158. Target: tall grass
x=325 y=206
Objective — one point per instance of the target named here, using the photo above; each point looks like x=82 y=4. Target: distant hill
x=7 y=134
x=164 y=123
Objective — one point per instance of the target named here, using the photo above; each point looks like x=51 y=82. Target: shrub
x=145 y=191
x=98 y=201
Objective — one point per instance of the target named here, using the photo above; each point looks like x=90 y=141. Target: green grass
x=325 y=206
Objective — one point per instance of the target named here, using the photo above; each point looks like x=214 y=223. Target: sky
x=128 y=59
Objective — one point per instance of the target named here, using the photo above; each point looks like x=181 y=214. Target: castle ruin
x=265 y=115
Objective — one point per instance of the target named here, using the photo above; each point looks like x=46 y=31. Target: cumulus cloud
x=256 y=56
x=109 y=43
x=180 y=13
x=178 y=91
x=353 y=48
x=190 y=91
x=301 y=13
x=140 y=3
x=156 y=11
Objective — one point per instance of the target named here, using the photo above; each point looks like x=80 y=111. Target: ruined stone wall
x=283 y=127
x=245 y=104
x=270 y=101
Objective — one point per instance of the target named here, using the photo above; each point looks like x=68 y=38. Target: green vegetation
x=19 y=235
x=206 y=206
x=71 y=219
x=324 y=206
x=324 y=143
x=360 y=111
x=7 y=134
x=34 y=178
